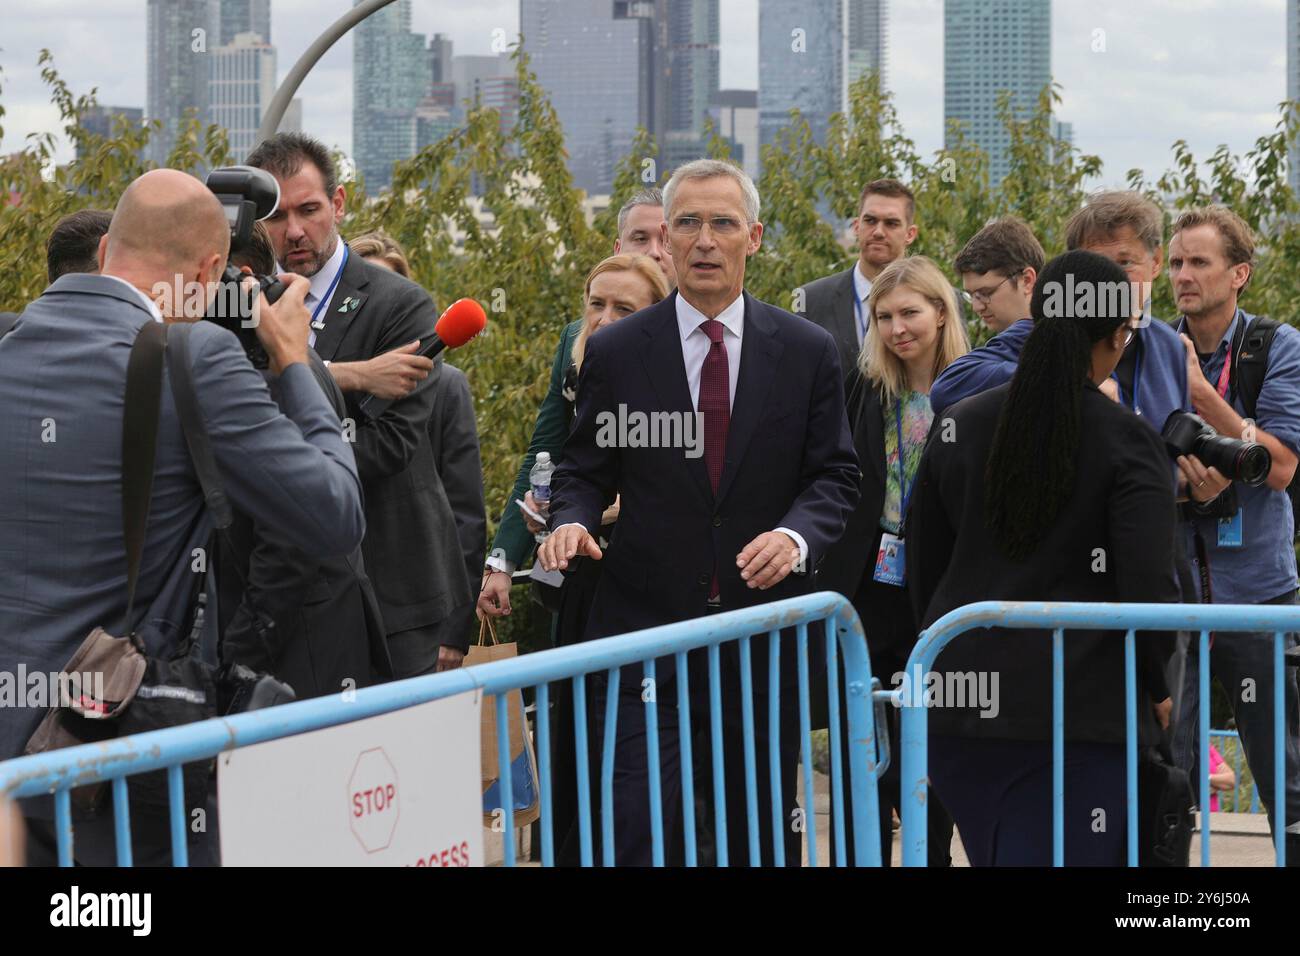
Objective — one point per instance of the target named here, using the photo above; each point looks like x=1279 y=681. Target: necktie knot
x=713 y=329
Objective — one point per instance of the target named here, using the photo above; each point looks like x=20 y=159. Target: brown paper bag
x=523 y=763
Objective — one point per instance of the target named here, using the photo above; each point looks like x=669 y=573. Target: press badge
x=1230 y=531
x=889 y=561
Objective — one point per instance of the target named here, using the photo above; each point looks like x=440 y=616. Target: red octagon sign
x=373 y=805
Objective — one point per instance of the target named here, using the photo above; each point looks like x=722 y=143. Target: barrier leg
x=687 y=756
x=774 y=745
x=805 y=740
x=719 y=774
x=607 y=769
x=584 y=770
x=543 y=699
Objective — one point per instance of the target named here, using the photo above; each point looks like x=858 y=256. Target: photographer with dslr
x=1241 y=367
x=63 y=566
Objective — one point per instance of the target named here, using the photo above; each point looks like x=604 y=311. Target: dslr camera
x=1244 y=461
x=247 y=195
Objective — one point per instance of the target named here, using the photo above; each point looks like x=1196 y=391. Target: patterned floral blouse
x=917 y=417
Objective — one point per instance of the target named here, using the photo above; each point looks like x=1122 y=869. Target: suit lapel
x=349 y=299
x=760 y=351
x=844 y=315
x=666 y=369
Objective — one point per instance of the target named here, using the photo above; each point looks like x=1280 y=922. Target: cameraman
x=62 y=378
x=1249 y=555
x=310 y=620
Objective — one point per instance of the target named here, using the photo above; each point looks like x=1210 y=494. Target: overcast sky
x=1208 y=71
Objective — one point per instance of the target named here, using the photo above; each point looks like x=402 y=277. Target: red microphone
x=463 y=320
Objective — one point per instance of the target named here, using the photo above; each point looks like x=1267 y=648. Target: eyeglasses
x=718 y=225
x=1128 y=336
x=985 y=295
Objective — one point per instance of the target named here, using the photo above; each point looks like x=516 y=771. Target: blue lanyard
x=904 y=492
x=329 y=293
x=857 y=311
x=1137 y=380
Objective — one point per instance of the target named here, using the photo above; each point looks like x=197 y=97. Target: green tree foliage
x=494 y=215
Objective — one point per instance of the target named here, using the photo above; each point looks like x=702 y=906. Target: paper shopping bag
x=523 y=764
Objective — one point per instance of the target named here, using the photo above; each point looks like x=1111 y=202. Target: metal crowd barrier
x=58 y=772
x=1280 y=619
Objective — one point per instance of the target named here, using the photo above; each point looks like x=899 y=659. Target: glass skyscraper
x=391 y=76
x=245 y=16
x=801 y=47
x=179 y=35
x=990 y=46
x=868 y=49
x=242 y=85
x=591 y=66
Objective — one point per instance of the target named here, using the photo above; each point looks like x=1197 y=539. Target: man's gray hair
x=708 y=169
x=652 y=196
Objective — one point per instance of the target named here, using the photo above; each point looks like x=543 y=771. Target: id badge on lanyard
x=891 y=566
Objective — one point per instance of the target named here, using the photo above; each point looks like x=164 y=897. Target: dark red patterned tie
x=715 y=407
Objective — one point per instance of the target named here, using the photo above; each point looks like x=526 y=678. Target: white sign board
x=400 y=789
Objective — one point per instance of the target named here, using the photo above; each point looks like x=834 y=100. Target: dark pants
x=1244 y=661
x=631 y=784
x=1000 y=794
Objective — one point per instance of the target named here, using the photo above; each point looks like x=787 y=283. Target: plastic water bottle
x=540 y=479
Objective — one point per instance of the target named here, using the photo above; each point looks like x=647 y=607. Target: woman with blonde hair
x=915 y=333
x=383 y=250
x=615 y=288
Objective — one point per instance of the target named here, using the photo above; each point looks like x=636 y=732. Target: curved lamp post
x=283 y=95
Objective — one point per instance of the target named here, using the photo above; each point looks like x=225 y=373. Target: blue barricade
x=114 y=761
x=1130 y=618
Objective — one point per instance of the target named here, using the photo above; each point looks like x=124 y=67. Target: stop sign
x=373 y=799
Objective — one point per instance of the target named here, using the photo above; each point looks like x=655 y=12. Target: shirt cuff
x=803 y=549
x=500 y=564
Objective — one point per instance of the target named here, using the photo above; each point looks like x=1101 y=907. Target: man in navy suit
x=737 y=514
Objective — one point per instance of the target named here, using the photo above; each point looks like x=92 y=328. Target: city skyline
x=1146 y=87
x=991 y=47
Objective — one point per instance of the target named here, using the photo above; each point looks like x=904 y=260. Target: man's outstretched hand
x=563 y=544
x=768 y=559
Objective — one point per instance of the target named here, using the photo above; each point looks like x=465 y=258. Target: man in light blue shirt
x=1250 y=556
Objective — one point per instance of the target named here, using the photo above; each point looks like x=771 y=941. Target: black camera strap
x=139 y=451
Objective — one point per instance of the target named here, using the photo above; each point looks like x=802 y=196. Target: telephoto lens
x=1244 y=461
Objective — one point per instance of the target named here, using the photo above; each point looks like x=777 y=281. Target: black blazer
x=789 y=463
x=846 y=562
x=313 y=622
x=828 y=302
x=1121 y=512
x=394 y=460
x=461 y=519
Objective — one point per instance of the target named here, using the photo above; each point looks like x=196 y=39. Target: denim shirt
x=1264 y=567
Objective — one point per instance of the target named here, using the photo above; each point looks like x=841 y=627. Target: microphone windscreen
x=463 y=320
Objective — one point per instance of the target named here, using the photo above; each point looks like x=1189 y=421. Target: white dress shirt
x=695 y=349
x=149 y=303
x=862 y=289
x=320 y=285
x=696 y=343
